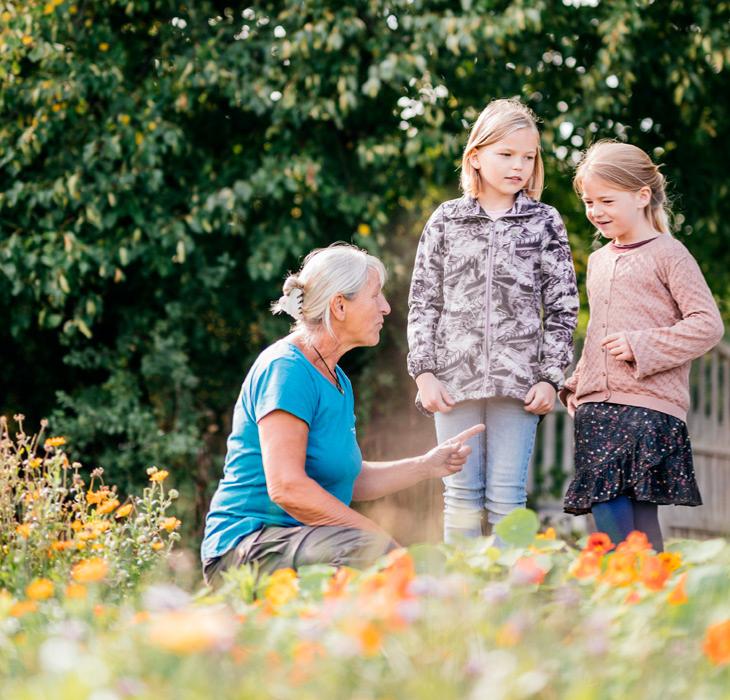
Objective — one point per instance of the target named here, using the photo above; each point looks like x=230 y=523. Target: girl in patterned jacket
x=651 y=313
x=492 y=309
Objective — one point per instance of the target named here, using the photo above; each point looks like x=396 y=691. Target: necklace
x=331 y=373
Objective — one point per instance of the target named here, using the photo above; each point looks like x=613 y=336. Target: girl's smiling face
x=616 y=213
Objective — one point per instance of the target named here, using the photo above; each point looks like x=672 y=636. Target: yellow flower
x=159 y=476
x=48 y=9
x=192 y=630
x=35 y=463
x=124 y=511
x=170 y=524
x=107 y=507
x=23 y=530
x=296 y=213
x=282 y=587
x=90 y=570
x=364 y=230
x=138 y=138
x=151 y=126
x=26 y=40
x=6 y=16
x=54 y=441
x=670 y=560
x=549 y=534
x=124 y=119
x=75 y=591
x=62 y=545
x=157 y=545
x=104 y=47
x=39 y=589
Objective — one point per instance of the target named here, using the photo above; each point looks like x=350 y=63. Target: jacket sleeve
x=559 y=302
x=699 y=330
x=425 y=299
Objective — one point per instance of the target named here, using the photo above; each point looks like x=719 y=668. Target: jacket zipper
x=488 y=303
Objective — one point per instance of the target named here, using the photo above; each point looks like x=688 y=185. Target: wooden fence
x=709 y=427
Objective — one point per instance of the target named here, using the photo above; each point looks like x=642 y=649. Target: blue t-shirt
x=281 y=378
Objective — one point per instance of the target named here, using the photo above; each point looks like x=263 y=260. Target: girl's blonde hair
x=498 y=120
x=326 y=272
x=628 y=168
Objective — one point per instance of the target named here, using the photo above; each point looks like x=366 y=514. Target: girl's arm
x=378 y=479
x=283 y=440
x=425 y=299
x=659 y=349
x=559 y=302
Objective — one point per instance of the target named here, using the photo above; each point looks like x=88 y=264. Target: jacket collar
x=468 y=206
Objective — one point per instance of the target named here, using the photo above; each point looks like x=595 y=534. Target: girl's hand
x=540 y=399
x=449 y=457
x=434 y=396
x=618 y=346
x=571 y=404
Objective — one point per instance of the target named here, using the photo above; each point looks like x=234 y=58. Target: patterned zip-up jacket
x=493 y=304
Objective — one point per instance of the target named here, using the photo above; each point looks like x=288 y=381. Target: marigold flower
x=108 y=507
x=76 y=591
x=635 y=542
x=90 y=570
x=363 y=229
x=95 y=497
x=281 y=588
x=54 y=442
x=159 y=476
x=124 y=511
x=587 y=565
x=717 y=643
x=653 y=573
x=599 y=542
x=23 y=530
x=620 y=570
x=39 y=589
x=23 y=607
x=671 y=560
x=26 y=40
x=170 y=524
x=678 y=595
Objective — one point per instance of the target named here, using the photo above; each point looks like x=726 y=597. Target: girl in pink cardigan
x=651 y=314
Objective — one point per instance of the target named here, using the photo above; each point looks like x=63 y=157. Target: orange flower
x=23 y=607
x=90 y=570
x=337 y=585
x=599 y=542
x=54 y=442
x=159 y=476
x=23 y=530
x=170 y=524
x=75 y=591
x=678 y=595
x=587 y=565
x=620 y=570
x=635 y=542
x=526 y=571
x=717 y=643
x=192 y=630
x=94 y=497
x=281 y=588
x=671 y=560
x=632 y=597
x=549 y=534
x=157 y=545
x=39 y=589
x=124 y=511
x=62 y=545
x=107 y=507
x=370 y=638
x=653 y=573
x=508 y=635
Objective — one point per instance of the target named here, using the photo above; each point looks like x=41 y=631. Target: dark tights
x=617 y=518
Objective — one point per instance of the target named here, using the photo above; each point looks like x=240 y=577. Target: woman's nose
x=384 y=306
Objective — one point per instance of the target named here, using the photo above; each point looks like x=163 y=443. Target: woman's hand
x=449 y=457
x=540 y=399
x=571 y=404
x=434 y=396
x=618 y=346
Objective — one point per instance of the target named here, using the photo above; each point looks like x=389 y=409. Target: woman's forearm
x=310 y=504
x=378 y=479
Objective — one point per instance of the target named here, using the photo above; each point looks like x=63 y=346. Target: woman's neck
x=317 y=344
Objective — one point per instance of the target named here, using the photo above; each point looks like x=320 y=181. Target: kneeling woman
x=293 y=464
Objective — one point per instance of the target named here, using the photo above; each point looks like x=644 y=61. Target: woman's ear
x=337 y=307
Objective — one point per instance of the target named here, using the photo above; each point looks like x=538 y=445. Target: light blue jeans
x=495 y=473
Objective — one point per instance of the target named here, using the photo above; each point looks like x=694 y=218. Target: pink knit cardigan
x=657 y=295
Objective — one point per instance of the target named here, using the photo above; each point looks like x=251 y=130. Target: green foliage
x=162 y=166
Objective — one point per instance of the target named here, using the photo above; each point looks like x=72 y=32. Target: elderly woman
x=293 y=463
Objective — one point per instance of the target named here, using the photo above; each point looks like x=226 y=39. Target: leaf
x=518 y=528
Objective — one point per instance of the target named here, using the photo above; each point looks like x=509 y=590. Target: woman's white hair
x=326 y=272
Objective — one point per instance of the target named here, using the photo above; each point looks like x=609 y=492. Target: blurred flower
x=717 y=643
x=170 y=524
x=23 y=530
x=671 y=560
x=157 y=545
x=526 y=571
x=165 y=596
x=653 y=573
x=620 y=570
x=39 y=589
x=104 y=47
x=159 y=476
x=549 y=534
x=587 y=565
x=281 y=588
x=337 y=584
x=23 y=607
x=108 y=507
x=54 y=442
x=364 y=229
x=124 y=511
x=192 y=630
x=90 y=570
x=635 y=542
x=508 y=635
x=599 y=542
x=678 y=595
x=76 y=591
x=57 y=655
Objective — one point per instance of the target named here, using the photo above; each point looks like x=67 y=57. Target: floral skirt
x=630 y=451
